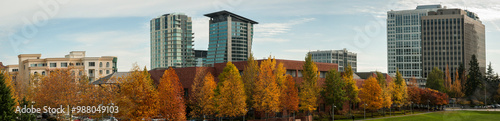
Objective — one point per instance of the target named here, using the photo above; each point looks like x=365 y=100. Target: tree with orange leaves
x=58 y=88
x=204 y=96
x=291 y=95
x=231 y=98
x=266 y=92
x=137 y=97
x=370 y=94
x=171 y=97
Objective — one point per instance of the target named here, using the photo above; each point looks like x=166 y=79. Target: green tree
x=435 y=80
x=475 y=77
x=490 y=75
x=309 y=90
x=6 y=100
x=462 y=75
x=333 y=90
x=350 y=88
x=26 y=116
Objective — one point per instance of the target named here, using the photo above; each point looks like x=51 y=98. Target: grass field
x=449 y=116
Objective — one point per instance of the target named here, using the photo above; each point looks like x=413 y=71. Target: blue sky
x=287 y=29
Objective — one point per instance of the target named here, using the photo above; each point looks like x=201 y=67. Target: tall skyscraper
x=230 y=37
x=172 y=41
x=340 y=57
x=450 y=37
x=404 y=42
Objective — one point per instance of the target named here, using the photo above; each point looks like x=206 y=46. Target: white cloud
x=272 y=32
x=129 y=47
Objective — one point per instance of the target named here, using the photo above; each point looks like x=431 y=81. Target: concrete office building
x=200 y=57
x=404 y=42
x=450 y=37
x=230 y=37
x=172 y=41
x=93 y=67
x=340 y=57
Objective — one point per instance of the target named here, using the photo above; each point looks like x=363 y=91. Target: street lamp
x=411 y=107
x=364 y=115
x=333 y=111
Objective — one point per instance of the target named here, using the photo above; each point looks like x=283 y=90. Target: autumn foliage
x=137 y=97
x=370 y=94
x=266 y=92
x=170 y=99
x=202 y=96
x=231 y=99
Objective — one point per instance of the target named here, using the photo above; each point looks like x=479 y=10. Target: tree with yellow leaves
x=351 y=88
x=386 y=91
x=370 y=94
x=204 y=96
x=399 y=94
x=447 y=82
x=266 y=92
x=231 y=98
x=137 y=97
x=309 y=90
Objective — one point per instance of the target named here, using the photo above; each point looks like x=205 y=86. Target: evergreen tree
x=474 y=78
x=490 y=75
x=6 y=101
x=26 y=116
x=435 y=80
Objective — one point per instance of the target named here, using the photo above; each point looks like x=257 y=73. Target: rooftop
x=429 y=6
x=224 y=12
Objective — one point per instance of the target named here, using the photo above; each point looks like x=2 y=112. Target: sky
x=287 y=29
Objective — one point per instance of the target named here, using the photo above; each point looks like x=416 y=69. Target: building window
x=299 y=73
x=91 y=64
x=53 y=64
x=64 y=64
x=15 y=70
x=100 y=64
x=100 y=72
x=107 y=64
x=43 y=73
x=107 y=71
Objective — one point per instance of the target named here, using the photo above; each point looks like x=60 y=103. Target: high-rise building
x=404 y=42
x=93 y=67
x=340 y=57
x=200 y=57
x=449 y=38
x=230 y=37
x=172 y=41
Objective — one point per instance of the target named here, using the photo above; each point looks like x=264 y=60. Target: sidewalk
x=398 y=116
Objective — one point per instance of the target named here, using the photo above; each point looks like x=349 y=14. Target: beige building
x=93 y=67
x=450 y=37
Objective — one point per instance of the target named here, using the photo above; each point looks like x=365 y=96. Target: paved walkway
x=398 y=116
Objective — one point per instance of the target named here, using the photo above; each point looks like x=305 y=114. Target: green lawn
x=449 y=116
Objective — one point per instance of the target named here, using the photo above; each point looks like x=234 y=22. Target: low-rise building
x=93 y=67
